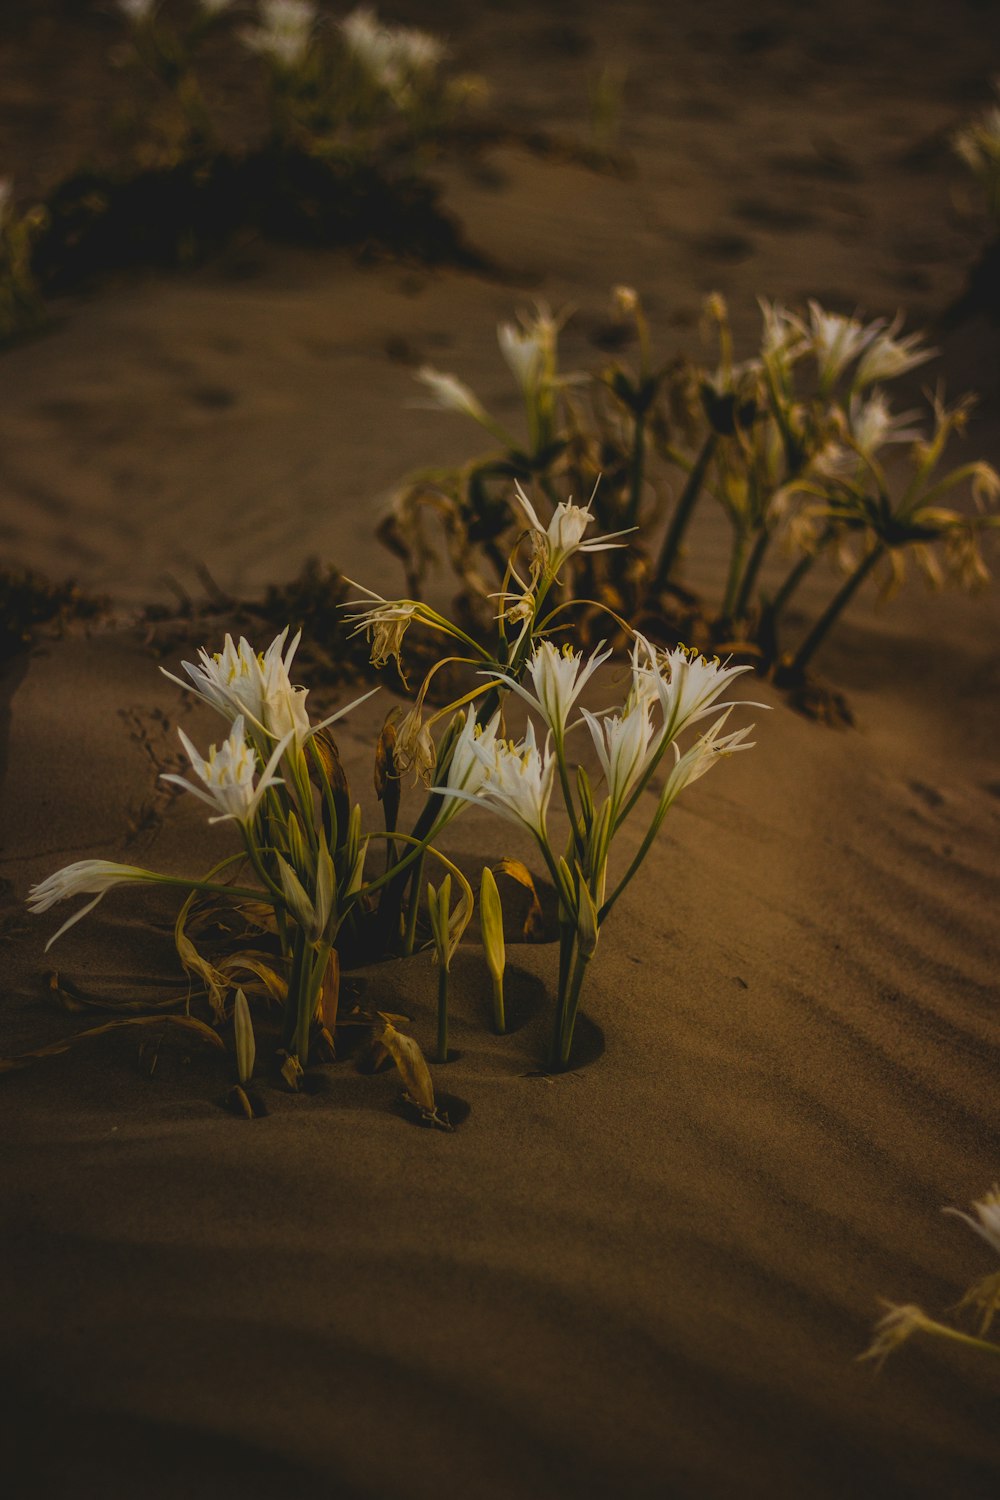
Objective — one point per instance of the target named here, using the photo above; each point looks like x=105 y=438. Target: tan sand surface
x=649 y=1277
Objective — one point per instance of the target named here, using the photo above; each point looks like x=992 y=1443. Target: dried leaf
x=72 y=998
x=248 y=962
x=186 y=1023
x=409 y=1060
x=534 y=922
x=387 y=787
x=292 y=1071
x=215 y=983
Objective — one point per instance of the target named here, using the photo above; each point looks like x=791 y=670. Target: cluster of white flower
x=283 y=33
x=398 y=59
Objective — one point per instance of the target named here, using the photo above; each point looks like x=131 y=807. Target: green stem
x=306 y=1000
x=751 y=572
x=682 y=512
x=567 y=945
x=638 y=467
x=499 y=1018
x=570 y=1009
x=413 y=909
x=840 y=599
x=790 y=585
x=442 y=1037
x=291 y=1018
x=735 y=569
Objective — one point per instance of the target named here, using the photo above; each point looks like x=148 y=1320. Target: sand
x=650 y=1277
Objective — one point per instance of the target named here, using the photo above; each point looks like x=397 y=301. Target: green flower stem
x=207 y=885
x=791 y=584
x=839 y=601
x=943 y=1331
x=683 y=511
x=289 y=1030
x=499 y=1017
x=751 y=572
x=735 y=569
x=567 y=952
x=312 y=975
x=442 y=1034
x=662 y=809
x=414 y=907
x=638 y=468
x=569 y=1006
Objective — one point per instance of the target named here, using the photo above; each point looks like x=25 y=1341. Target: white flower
x=702 y=756
x=284 y=33
x=138 y=12
x=515 y=780
x=240 y=682
x=886 y=357
x=563 y=537
x=987 y=1221
x=87 y=877
x=228 y=775
x=625 y=744
x=836 y=340
x=231 y=680
x=685 y=683
x=530 y=350
x=471 y=753
x=559 y=676
x=874 y=426
x=448 y=393
x=783 y=333
x=392 y=56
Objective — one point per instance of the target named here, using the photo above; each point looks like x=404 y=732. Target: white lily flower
x=987 y=1221
x=241 y=682
x=516 y=780
x=887 y=357
x=703 y=755
x=625 y=744
x=228 y=775
x=836 y=340
x=448 y=393
x=471 y=754
x=873 y=424
x=390 y=55
x=284 y=706
x=530 y=349
x=563 y=537
x=284 y=32
x=231 y=680
x=559 y=676
x=87 y=877
x=783 y=334
x=519 y=779
x=686 y=683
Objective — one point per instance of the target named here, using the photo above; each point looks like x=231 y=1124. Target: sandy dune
x=650 y=1277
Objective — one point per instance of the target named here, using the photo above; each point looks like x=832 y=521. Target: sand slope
x=651 y=1277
